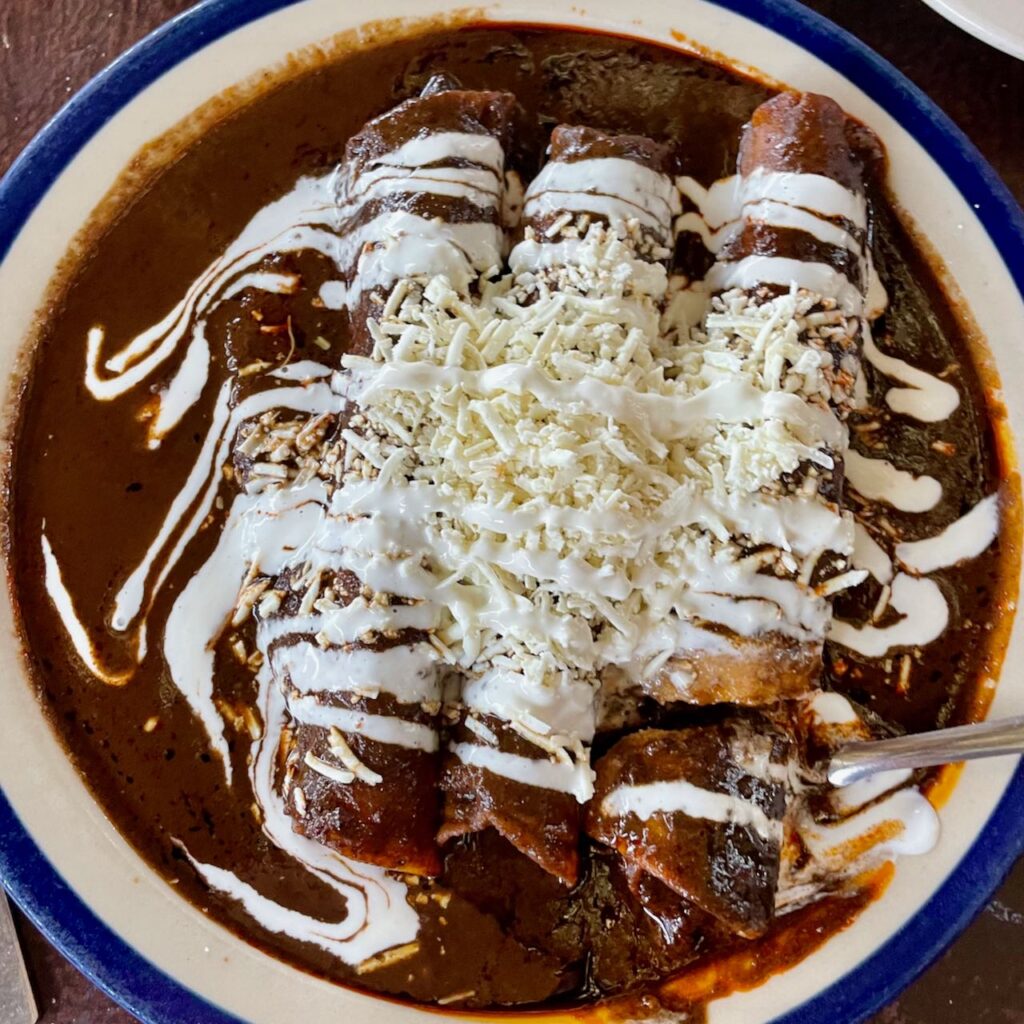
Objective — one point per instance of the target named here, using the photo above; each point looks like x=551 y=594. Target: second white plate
x=1000 y=23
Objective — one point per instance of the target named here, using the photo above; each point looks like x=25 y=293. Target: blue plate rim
x=152 y=995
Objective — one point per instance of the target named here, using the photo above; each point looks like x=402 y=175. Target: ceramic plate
x=1000 y=23
x=62 y=860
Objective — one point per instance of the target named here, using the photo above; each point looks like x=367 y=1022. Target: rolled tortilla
x=788 y=297
x=420 y=196
x=597 y=178
x=519 y=759
x=701 y=809
x=360 y=764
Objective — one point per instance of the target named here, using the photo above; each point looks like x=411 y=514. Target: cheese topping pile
x=591 y=485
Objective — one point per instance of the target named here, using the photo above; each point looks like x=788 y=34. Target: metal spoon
x=944 y=746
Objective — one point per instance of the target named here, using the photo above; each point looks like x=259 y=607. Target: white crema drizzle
x=377 y=914
x=880 y=480
x=924 y=608
x=300 y=220
x=53 y=580
x=926 y=397
x=677 y=796
x=783 y=199
x=614 y=188
x=925 y=615
x=966 y=537
x=878 y=818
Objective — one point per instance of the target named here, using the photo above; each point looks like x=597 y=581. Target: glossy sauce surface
x=495 y=929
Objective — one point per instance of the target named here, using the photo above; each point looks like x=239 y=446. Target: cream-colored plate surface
x=1000 y=23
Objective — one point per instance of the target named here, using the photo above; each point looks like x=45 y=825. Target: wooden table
x=49 y=48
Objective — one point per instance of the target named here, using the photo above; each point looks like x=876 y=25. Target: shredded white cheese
x=569 y=503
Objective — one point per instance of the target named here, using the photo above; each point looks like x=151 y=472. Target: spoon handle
x=944 y=746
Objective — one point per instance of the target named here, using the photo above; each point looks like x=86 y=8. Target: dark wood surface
x=49 y=48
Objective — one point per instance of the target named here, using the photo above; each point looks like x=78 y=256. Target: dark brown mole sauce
x=495 y=928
